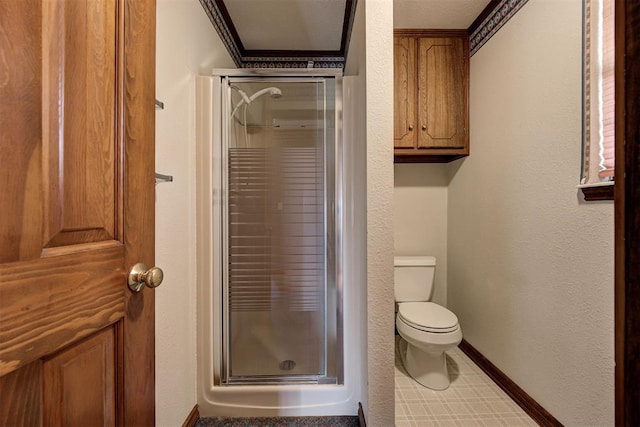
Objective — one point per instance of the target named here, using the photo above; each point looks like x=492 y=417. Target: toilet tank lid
x=415 y=261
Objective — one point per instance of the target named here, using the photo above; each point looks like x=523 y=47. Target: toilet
x=426 y=329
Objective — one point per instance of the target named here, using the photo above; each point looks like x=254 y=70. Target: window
x=598 y=100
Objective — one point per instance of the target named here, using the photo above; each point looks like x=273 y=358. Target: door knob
x=139 y=276
x=424 y=127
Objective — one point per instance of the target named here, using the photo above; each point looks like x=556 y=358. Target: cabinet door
x=404 y=86
x=442 y=110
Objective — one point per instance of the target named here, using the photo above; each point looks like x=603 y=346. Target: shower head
x=273 y=92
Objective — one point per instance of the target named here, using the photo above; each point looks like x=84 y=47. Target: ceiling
x=288 y=24
x=448 y=14
x=304 y=33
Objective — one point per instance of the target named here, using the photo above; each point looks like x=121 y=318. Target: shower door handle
x=139 y=276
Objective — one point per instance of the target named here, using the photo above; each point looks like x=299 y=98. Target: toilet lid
x=428 y=316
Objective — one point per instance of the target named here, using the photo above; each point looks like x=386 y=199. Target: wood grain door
x=442 y=103
x=76 y=211
x=404 y=89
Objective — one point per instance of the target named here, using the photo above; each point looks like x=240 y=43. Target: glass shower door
x=279 y=230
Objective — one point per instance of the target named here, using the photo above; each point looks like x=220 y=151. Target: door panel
x=77 y=211
x=79 y=387
x=79 y=145
x=442 y=111
x=22 y=405
x=404 y=69
x=20 y=130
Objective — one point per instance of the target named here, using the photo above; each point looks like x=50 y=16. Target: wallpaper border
x=499 y=16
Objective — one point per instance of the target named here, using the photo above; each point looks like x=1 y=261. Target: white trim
x=596 y=184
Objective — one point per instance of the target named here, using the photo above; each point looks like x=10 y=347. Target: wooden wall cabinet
x=431 y=93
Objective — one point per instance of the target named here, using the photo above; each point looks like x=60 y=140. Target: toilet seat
x=428 y=317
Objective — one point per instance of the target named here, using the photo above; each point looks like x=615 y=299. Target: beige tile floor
x=473 y=399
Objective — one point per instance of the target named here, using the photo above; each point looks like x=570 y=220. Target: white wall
x=530 y=264
x=368 y=129
x=379 y=131
x=187 y=45
x=368 y=113
x=420 y=216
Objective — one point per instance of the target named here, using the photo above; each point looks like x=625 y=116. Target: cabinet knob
x=424 y=127
x=410 y=127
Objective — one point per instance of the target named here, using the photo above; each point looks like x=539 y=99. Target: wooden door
x=442 y=104
x=627 y=206
x=404 y=89
x=76 y=211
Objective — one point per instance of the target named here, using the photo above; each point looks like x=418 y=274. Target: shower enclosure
x=273 y=233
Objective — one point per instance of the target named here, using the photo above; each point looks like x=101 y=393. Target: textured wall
x=187 y=45
x=420 y=217
x=379 y=128
x=530 y=264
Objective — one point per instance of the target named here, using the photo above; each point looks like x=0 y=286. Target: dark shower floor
x=344 y=421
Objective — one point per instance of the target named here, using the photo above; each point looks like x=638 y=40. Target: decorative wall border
x=219 y=17
x=292 y=62
x=490 y=20
x=215 y=16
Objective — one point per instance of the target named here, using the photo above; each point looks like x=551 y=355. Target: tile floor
x=473 y=399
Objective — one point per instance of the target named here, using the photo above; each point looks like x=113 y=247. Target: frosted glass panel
x=279 y=231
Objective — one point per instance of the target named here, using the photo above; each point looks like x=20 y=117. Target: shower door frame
x=221 y=362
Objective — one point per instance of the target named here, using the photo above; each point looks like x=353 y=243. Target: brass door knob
x=139 y=276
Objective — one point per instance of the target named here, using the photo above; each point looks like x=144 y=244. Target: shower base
x=275 y=343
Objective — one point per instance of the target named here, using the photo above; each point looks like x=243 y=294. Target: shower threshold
x=282 y=380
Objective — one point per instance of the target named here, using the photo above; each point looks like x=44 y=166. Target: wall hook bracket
x=160 y=178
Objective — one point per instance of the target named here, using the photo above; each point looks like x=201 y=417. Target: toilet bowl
x=427 y=331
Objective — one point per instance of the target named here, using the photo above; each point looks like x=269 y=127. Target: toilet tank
x=413 y=278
